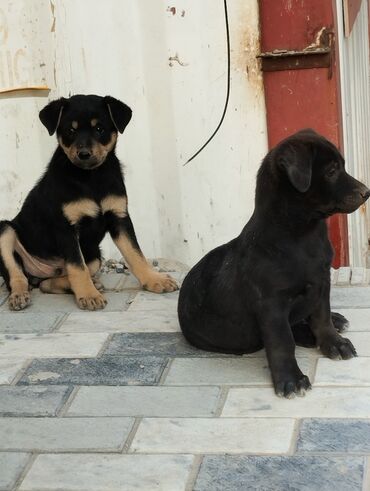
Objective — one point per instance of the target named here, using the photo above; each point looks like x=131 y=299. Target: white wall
x=122 y=48
x=355 y=97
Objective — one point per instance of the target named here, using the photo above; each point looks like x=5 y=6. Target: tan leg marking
x=93 y=268
x=75 y=210
x=87 y=296
x=115 y=204
x=19 y=297
x=62 y=284
x=55 y=285
x=150 y=280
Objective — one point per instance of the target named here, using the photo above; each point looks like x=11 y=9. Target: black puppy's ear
x=119 y=113
x=51 y=114
x=296 y=160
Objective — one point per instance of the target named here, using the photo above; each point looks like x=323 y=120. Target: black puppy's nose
x=84 y=155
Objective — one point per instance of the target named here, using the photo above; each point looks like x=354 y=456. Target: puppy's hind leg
x=61 y=284
x=303 y=335
x=15 y=279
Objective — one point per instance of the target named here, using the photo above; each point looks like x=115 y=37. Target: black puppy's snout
x=366 y=194
x=84 y=155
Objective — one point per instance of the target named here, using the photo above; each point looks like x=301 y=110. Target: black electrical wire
x=227 y=89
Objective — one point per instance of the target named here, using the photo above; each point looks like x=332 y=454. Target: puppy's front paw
x=339 y=322
x=292 y=385
x=338 y=348
x=160 y=283
x=19 y=300
x=93 y=302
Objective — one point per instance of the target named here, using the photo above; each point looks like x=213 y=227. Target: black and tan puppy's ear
x=296 y=160
x=50 y=115
x=119 y=112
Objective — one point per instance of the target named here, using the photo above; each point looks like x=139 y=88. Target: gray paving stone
x=334 y=435
x=234 y=371
x=359 y=319
x=297 y=473
x=3 y=291
x=213 y=435
x=108 y=472
x=64 y=434
x=355 y=372
x=3 y=297
x=361 y=341
x=350 y=297
x=11 y=466
x=48 y=303
x=9 y=369
x=153 y=344
x=145 y=401
x=321 y=402
x=155 y=301
x=66 y=345
x=24 y=322
x=146 y=321
x=32 y=401
x=106 y=370
x=110 y=281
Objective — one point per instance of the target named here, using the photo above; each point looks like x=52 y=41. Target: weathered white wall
x=355 y=96
x=122 y=48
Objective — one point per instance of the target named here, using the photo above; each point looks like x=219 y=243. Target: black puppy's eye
x=99 y=128
x=332 y=170
x=71 y=131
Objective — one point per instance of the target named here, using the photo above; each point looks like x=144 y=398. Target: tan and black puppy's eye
x=99 y=128
x=71 y=132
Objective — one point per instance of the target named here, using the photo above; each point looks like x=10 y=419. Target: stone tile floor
x=117 y=400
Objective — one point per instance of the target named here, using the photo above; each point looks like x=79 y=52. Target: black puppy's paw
x=339 y=321
x=292 y=385
x=338 y=348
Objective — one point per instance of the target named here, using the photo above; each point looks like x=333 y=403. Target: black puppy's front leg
x=122 y=232
x=280 y=350
x=330 y=342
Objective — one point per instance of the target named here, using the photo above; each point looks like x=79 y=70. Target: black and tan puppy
x=270 y=286
x=56 y=235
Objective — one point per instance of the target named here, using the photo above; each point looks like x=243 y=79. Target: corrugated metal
x=355 y=88
x=168 y=62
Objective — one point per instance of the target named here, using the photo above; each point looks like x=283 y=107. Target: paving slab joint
x=59 y=322
x=221 y=400
x=165 y=371
x=24 y=472
x=21 y=371
x=69 y=398
x=197 y=462
x=295 y=435
x=131 y=435
x=105 y=345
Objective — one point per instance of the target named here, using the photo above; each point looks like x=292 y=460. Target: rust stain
x=52 y=7
x=363 y=209
x=245 y=48
x=176 y=58
x=172 y=10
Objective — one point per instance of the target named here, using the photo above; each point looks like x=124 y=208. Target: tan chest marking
x=76 y=210
x=115 y=204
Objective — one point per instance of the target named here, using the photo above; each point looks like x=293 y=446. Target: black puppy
x=271 y=285
x=56 y=235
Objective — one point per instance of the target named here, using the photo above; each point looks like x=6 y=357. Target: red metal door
x=309 y=94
